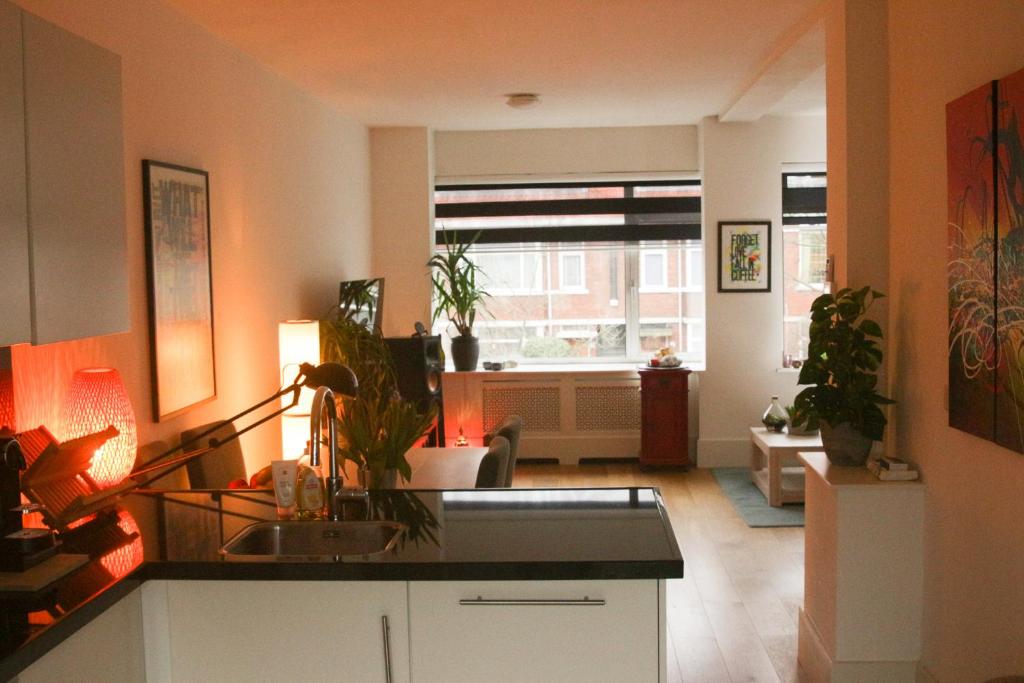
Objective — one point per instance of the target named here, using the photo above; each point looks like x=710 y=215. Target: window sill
x=569 y=368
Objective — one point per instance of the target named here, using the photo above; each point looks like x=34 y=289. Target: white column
x=402 y=192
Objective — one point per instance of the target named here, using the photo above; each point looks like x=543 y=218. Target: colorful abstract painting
x=985 y=177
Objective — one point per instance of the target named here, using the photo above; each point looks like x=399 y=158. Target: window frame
x=671 y=217
x=804 y=210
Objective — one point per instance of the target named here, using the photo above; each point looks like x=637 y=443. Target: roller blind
x=569 y=212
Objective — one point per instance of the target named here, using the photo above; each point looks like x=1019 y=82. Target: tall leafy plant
x=842 y=358
x=375 y=427
x=458 y=289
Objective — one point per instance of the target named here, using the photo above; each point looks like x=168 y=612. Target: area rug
x=751 y=504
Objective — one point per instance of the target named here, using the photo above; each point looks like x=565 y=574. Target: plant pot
x=799 y=431
x=844 y=445
x=465 y=352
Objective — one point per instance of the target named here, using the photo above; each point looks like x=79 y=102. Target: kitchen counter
x=454 y=535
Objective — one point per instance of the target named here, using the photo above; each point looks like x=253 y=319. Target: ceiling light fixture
x=522 y=100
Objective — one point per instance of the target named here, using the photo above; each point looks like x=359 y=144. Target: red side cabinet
x=664 y=428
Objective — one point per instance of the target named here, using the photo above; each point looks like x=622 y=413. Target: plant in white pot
x=458 y=292
x=842 y=358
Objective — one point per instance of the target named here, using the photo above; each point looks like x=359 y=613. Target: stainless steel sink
x=310 y=541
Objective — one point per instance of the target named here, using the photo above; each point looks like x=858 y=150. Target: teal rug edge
x=751 y=504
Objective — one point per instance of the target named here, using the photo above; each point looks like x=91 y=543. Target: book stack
x=893 y=469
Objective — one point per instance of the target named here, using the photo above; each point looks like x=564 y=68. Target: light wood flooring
x=734 y=617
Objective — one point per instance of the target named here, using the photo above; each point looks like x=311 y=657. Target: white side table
x=863 y=575
x=769 y=452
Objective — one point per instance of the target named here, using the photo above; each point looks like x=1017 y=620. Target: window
x=583 y=272
x=653 y=269
x=510 y=274
x=804 y=233
x=571 y=271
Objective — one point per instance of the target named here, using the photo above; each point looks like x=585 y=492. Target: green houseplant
x=842 y=358
x=375 y=427
x=458 y=293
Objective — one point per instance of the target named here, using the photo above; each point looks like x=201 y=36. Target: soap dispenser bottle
x=310 y=490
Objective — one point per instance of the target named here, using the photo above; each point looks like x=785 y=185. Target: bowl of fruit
x=664 y=358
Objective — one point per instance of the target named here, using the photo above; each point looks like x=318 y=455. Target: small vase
x=378 y=479
x=465 y=352
x=775 y=417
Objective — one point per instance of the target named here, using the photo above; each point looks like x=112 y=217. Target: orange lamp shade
x=7 y=399
x=96 y=400
x=121 y=561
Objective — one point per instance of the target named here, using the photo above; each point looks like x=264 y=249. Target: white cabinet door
x=76 y=207
x=550 y=638
x=278 y=631
x=108 y=648
x=14 y=276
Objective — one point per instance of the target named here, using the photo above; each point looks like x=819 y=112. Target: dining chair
x=177 y=479
x=494 y=465
x=510 y=428
x=215 y=469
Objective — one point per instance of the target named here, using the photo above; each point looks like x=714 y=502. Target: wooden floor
x=734 y=616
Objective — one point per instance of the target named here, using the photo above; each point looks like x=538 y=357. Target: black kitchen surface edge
x=452 y=535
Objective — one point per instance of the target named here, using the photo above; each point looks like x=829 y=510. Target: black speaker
x=418 y=367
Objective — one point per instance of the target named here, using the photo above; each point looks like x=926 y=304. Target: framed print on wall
x=177 y=220
x=744 y=256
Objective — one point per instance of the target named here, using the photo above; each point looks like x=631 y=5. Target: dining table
x=443 y=468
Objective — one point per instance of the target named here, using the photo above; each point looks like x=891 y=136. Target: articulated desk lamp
x=337 y=377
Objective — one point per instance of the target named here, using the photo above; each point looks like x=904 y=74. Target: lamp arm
x=295 y=388
x=215 y=443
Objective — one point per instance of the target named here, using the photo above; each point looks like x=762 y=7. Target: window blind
x=569 y=212
x=804 y=199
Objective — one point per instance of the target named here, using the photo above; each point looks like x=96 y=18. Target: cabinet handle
x=568 y=602
x=386 y=633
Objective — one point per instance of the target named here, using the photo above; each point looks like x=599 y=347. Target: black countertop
x=477 y=534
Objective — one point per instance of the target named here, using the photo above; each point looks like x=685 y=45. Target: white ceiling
x=447 y=64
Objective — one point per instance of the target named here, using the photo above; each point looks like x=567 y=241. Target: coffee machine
x=20 y=548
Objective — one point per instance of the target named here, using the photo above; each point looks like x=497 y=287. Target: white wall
x=974 y=576
x=557 y=152
x=402 y=190
x=742 y=165
x=289 y=194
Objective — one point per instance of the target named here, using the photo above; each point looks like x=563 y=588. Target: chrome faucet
x=324 y=398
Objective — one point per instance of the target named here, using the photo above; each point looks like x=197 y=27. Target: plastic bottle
x=310 y=493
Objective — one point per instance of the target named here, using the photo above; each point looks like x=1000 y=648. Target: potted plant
x=375 y=427
x=842 y=358
x=458 y=293
x=794 y=419
x=377 y=434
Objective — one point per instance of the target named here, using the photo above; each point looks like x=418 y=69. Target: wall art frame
x=745 y=256
x=176 y=211
x=985 y=261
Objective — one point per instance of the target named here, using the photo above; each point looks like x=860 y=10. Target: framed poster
x=744 y=256
x=177 y=220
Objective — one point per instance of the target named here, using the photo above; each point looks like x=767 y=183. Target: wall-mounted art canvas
x=985 y=241
x=744 y=256
x=177 y=219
